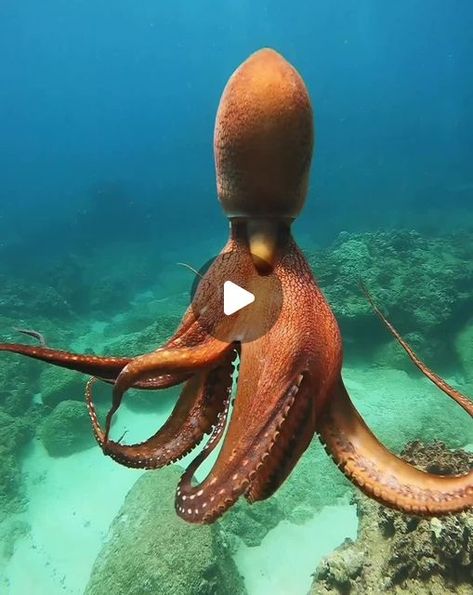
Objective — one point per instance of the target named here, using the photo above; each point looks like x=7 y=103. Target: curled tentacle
x=235 y=469
x=202 y=400
x=266 y=397
x=178 y=360
x=439 y=382
x=382 y=475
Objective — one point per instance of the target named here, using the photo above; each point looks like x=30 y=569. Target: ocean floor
x=73 y=500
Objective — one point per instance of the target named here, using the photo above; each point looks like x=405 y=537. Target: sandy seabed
x=72 y=502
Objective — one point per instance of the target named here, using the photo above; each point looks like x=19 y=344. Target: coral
x=150 y=550
x=425 y=285
x=14 y=432
x=66 y=429
x=36 y=298
x=402 y=554
x=18 y=379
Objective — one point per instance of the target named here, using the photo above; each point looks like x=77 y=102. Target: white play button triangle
x=235 y=298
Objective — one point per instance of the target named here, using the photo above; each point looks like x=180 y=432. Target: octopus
x=289 y=384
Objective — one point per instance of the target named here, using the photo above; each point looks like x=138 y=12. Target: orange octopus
x=289 y=380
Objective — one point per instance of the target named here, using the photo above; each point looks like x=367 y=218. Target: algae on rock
x=424 y=285
x=60 y=384
x=151 y=550
x=402 y=554
x=66 y=429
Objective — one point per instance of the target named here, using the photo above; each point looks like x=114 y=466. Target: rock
x=401 y=554
x=67 y=429
x=59 y=384
x=424 y=285
x=151 y=550
x=147 y=339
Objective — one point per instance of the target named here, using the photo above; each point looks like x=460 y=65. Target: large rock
x=67 y=429
x=402 y=554
x=59 y=384
x=151 y=550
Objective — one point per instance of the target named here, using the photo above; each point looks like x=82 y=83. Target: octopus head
x=263 y=140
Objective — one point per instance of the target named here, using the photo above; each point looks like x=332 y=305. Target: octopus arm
x=163 y=361
x=268 y=403
x=296 y=435
x=439 y=382
x=195 y=414
x=382 y=475
x=106 y=368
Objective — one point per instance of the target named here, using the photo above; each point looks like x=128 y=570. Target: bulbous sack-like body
x=264 y=139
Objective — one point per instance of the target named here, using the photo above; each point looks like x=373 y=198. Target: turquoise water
x=108 y=181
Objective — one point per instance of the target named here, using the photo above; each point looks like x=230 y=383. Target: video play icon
x=235 y=298
x=232 y=302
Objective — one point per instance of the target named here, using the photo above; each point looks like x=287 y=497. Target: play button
x=233 y=301
x=235 y=298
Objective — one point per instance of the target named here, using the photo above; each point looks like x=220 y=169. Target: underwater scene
x=236 y=297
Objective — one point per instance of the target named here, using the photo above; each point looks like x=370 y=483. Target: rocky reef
x=14 y=434
x=401 y=554
x=423 y=284
x=150 y=550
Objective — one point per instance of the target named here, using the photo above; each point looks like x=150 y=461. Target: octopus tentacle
x=170 y=360
x=197 y=410
x=103 y=368
x=382 y=475
x=439 y=382
x=106 y=368
x=184 y=489
x=299 y=429
x=246 y=447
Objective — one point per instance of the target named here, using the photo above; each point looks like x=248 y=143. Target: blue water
x=95 y=96
x=107 y=180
